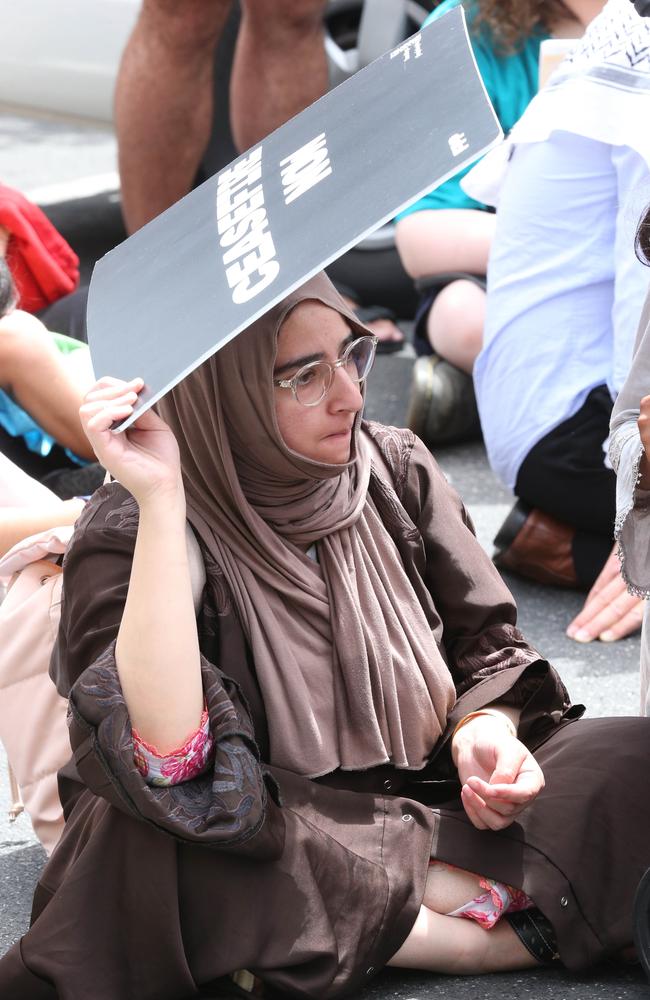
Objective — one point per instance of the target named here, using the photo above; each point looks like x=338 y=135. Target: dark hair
x=511 y=22
x=8 y=294
x=642 y=238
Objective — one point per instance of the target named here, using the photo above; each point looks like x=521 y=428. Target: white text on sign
x=411 y=47
x=305 y=168
x=243 y=228
x=458 y=143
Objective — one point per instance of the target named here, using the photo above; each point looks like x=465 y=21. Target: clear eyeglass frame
x=329 y=368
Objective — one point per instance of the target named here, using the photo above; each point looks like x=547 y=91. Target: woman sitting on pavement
x=265 y=788
x=565 y=291
x=444 y=239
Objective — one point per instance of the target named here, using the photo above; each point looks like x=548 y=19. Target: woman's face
x=323 y=433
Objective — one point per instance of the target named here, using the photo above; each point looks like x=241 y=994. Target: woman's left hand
x=499 y=775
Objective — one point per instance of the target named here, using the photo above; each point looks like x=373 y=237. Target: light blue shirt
x=565 y=289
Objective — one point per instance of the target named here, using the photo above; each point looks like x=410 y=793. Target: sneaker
x=442 y=407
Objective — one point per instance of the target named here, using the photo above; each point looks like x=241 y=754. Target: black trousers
x=37 y=466
x=565 y=475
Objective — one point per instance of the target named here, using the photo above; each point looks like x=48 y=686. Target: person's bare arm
x=17 y=523
x=40 y=379
x=446 y=239
x=157 y=651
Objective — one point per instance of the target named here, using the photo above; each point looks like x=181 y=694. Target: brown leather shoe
x=537 y=546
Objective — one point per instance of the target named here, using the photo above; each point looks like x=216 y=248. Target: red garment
x=42 y=264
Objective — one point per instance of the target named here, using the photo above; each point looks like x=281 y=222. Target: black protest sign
x=184 y=285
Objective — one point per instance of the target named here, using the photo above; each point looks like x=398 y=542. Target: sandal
x=370 y=314
x=535 y=933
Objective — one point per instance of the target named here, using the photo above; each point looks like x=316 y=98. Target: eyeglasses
x=312 y=382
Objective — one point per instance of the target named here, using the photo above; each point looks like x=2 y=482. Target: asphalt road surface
x=70 y=168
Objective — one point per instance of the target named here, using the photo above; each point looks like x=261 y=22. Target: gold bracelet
x=495 y=713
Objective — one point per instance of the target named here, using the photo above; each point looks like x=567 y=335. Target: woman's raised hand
x=145 y=457
x=499 y=775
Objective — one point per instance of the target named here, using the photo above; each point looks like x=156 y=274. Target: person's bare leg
x=455 y=323
x=33 y=371
x=280 y=65
x=448 y=888
x=280 y=68
x=456 y=945
x=439 y=240
x=163 y=102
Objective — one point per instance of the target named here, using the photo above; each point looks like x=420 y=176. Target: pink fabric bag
x=17 y=489
x=33 y=725
x=32 y=715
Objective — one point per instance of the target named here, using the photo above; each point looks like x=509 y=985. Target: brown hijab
x=346 y=662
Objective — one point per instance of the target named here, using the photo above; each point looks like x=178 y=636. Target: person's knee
x=23 y=342
x=415 y=236
x=189 y=26
x=291 y=18
x=457 y=317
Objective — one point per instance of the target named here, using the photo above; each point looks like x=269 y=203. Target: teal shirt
x=511 y=82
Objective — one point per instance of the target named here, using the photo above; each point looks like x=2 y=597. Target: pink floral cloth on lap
x=180 y=765
x=488 y=907
x=498 y=899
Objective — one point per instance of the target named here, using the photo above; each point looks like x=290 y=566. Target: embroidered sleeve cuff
x=183 y=764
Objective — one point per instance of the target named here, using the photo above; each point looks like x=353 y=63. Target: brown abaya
x=153 y=893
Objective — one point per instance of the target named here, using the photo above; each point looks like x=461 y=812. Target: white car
x=62 y=57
